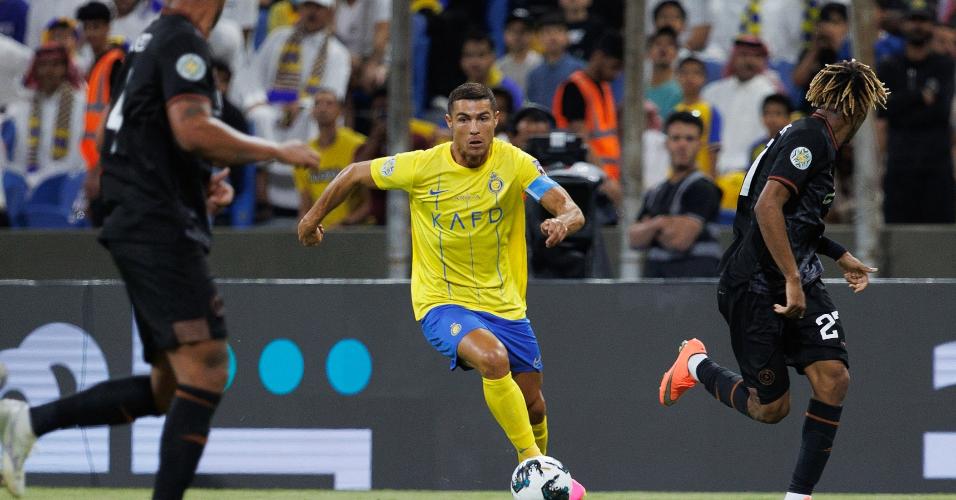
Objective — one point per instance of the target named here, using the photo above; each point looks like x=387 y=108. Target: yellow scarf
x=286 y=85
x=61 y=134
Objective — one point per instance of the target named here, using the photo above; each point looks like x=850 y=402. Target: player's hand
x=855 y=272
x=555 y=230
x=220 y=193
x=297 y=153
x=796 y=301
x=310 y=234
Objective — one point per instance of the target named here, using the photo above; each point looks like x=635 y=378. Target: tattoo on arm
x=195 y=109
x=242 y=158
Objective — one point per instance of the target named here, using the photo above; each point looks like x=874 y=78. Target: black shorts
x=765 y=343
x=173 y=295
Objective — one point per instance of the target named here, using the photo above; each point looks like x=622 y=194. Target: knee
x=537 y=409
x=771 y=413
x=209 y=368
x=773 y=417
x=216 y=378
x=493 y=363
x=833 y=386
x=216 y=371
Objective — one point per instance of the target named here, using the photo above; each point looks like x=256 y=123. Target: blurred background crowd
x=721 y=78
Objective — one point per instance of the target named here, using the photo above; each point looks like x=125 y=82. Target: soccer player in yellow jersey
x=469 y=263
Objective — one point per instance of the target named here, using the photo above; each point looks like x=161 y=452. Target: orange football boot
x=678 y=379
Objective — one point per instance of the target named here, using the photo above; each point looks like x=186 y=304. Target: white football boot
x=17 y=438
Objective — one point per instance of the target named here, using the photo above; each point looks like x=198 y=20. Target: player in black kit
x=158 y=189
x=770 y=290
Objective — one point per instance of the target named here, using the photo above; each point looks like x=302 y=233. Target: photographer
x=831 y=43
x=530 y=121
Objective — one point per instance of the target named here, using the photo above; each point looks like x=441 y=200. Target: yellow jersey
x=468 y=226
x=332 y=160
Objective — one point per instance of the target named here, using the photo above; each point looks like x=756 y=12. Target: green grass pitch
x=37 y=493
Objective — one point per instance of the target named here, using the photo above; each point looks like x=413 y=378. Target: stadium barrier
x=333 y=386
x=359 y=252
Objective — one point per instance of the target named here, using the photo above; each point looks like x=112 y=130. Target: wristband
x=830 y=248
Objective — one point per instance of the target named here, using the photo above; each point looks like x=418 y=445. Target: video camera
x=563 y=156
x=557 y=150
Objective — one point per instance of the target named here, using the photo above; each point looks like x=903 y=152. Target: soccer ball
x=541 y=478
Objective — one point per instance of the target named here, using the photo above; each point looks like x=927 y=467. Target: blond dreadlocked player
x=770 y=291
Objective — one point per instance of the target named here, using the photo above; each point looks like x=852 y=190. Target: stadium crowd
x=316 y=70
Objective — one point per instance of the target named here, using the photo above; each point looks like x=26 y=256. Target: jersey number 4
x=745 y=188
x=115 y=119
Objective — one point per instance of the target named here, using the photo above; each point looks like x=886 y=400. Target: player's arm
x=305 y=202
x=197 y=130
x=831 y=248
x=855 y=272
x=568 y=218
x=773 y=227
x=311 y=231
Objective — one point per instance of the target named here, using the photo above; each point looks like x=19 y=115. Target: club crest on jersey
x=801 y=157
x=495 y=184
x=388 y=167
x=191 y=67
x=455 y=329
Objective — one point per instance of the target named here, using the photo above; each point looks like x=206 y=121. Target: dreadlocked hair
x=847 y=87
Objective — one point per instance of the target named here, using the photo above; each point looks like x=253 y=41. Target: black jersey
x=155 y=191
x=801 y=158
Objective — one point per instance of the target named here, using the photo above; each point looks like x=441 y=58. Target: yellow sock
x=540 y=431
x=506 y=403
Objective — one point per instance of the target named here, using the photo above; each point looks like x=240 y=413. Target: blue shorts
x=445 y=326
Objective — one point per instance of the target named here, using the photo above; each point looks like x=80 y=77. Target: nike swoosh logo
x=436 y=193
x=667 y=391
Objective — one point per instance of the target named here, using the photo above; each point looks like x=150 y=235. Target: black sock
x=724 y=385
x=183 y=440
x=108 y=403
x=819 y=429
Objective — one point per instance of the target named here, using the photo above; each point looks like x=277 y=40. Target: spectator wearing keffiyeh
x=49 y=120
x=738 y=97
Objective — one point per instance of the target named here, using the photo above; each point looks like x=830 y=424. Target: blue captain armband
x=539 y=186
